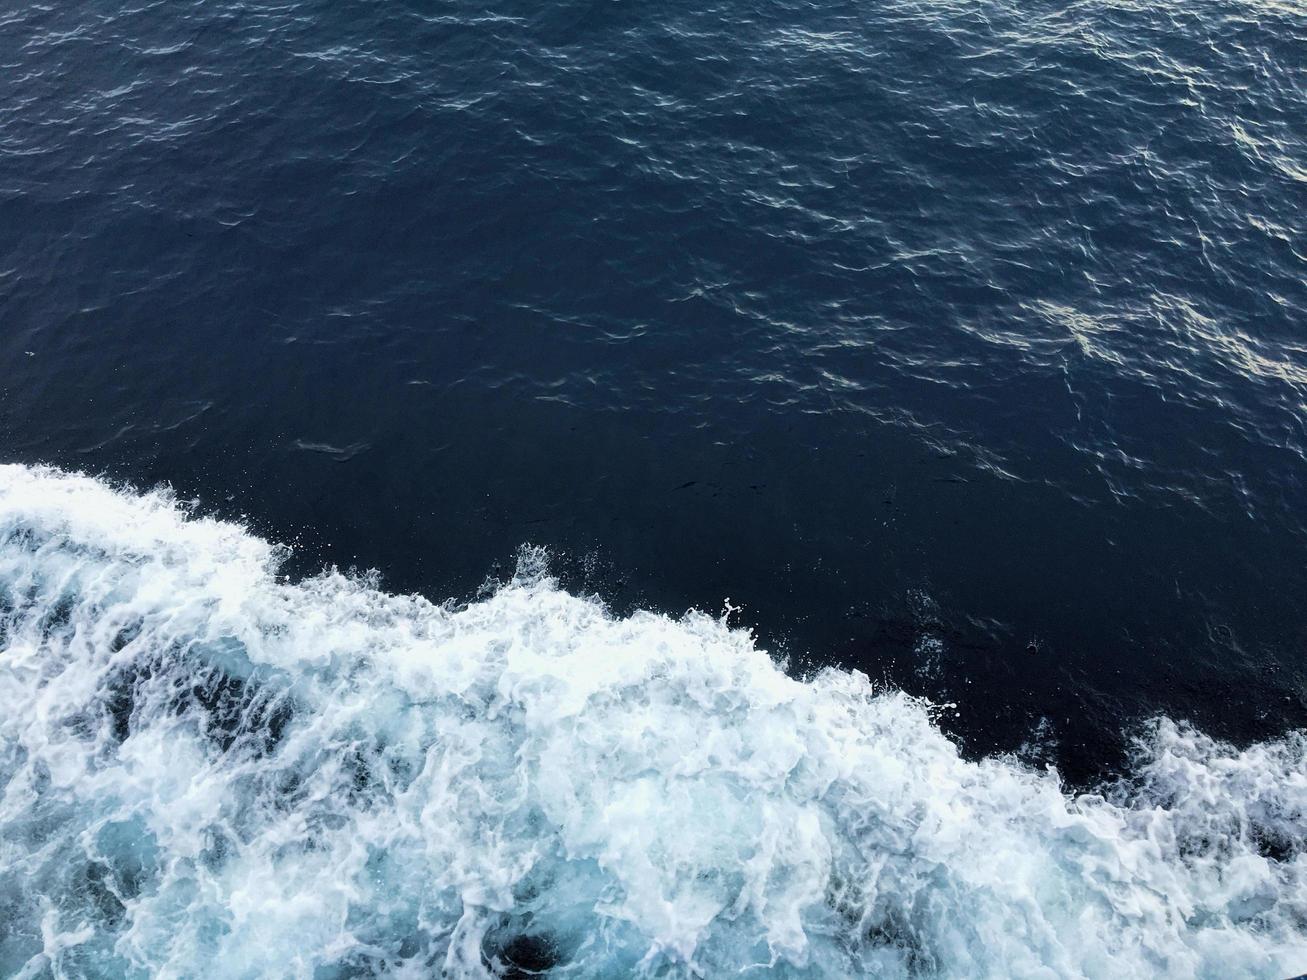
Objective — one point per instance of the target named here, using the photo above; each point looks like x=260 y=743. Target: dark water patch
x=521 y=956
x=121 y=696
x=57 y=616
x=236 y=710
x=248 y=716
x=98 y=887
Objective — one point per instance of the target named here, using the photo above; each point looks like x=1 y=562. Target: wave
x=208 y=769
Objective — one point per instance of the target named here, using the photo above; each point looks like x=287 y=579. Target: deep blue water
x=982 y=320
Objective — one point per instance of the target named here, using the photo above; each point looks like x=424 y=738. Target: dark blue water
x=960 y=344
x=931 y=334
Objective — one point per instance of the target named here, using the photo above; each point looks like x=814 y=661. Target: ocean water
x=210 y=770
x=590 y=488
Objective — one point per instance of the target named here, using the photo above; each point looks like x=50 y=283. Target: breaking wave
x=207 y=769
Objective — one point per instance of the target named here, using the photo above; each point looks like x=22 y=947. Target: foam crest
x=209 y=770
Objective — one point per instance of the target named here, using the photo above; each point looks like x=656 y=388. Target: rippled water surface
x=960 y=344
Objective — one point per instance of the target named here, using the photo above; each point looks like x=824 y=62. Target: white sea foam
x=207 y=770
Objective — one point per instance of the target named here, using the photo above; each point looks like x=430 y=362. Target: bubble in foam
x=206 y=770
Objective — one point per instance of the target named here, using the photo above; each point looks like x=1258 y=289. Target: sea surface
x=597 y=489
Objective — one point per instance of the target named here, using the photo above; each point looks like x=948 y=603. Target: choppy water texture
x=207 y=770
x=957 y=344
x=907 y=326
